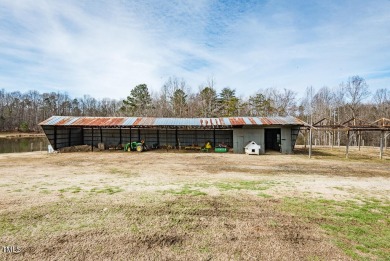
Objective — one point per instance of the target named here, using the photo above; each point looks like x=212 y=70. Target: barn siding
x=236 y=138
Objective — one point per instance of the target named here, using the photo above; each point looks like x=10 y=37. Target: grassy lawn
x=188 y=220
x=180 y=206
x=186 y=225
x=360 y=227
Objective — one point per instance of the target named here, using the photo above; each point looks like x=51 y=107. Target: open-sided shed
x=271 y=133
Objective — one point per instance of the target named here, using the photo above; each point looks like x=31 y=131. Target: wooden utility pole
x=347 y=146
x=359 y=139
x=381 y=144
x=92 y=140
x=310 y=142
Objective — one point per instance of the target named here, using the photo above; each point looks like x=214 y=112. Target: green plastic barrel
x=220 y=150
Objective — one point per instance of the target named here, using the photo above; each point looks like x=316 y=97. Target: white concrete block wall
x=241 y=137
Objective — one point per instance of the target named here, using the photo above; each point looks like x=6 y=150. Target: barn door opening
x=272 y=139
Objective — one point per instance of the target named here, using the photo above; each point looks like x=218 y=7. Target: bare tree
x=307 y=104
x=356 y=90
x=175 y=99
x=282 y=102
x=382 y=101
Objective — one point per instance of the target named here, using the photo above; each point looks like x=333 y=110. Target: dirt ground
x=172 y=205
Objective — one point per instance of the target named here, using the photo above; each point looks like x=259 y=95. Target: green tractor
x=135 y=146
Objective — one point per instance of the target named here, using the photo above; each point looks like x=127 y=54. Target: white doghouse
x=252 y=148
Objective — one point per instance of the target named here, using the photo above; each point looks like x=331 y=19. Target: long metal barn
x=271 y=133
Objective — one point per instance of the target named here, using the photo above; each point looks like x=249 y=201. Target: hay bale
x=79 y=148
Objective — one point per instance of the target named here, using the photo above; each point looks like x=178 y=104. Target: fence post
x=381 y=145
x=347 y=146
x=310 y=143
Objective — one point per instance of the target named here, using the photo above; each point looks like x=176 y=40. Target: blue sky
x=105 y=48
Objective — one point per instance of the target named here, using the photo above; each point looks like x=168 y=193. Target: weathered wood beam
x=347 y=146
x=310 y=142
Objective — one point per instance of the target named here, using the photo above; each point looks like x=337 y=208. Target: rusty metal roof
x=169 y=122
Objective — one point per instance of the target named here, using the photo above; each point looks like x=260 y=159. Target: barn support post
x=139 y=134
x=381 y=145
x=215 y=145
x=166 y=138
x=359 y=139
x=55 y=138
x=177 y=139
x=120 y=135
x=101 y=135
x=310 y=142
x=82 y=136
x=92 y=140
x=333 y=138
x=347 y=146
x=338 y=138
x=69 y=136
x=130 y=135
x=158 y=137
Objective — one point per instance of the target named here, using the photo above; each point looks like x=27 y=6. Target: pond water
x=11 y=145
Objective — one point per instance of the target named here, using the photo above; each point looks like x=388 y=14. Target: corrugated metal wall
x=60 y=137
x=64 y=137
x=167 y=137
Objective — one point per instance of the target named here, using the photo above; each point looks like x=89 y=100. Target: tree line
x=352 y=98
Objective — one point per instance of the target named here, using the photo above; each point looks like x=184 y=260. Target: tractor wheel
x=140 y=148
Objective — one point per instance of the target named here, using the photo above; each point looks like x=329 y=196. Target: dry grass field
x=162 y=205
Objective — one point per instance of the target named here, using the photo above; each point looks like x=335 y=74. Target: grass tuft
x=186 y=191
x=107 y=190
x=263 y=195
x=243 y=185
x=73 y=189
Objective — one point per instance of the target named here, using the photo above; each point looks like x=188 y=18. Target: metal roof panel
x=247 y=121
x=179 y=122
x=129 y=121
x=71 y=121
x=53 y=120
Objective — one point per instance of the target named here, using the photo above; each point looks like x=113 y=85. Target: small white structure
x=50 y=149
x=252 y=148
